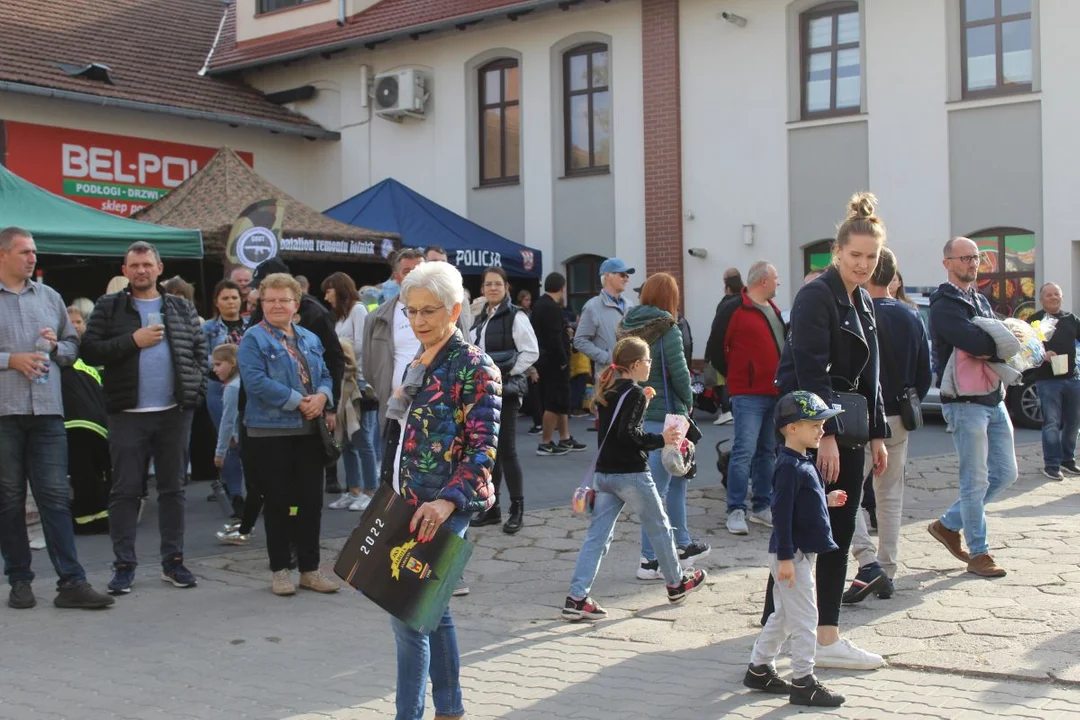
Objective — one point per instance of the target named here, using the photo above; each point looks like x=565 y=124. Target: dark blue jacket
x=800 y=515
x=904 y=350
x=951 y=326
x=833 y=347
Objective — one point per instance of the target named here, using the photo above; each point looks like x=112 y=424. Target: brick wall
x=663 y=137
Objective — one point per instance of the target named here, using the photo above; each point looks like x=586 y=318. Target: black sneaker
x=573 y=445
x=332 y=488
x=886 y=590
x=691 y=581
x=535 y=430
x=578 y=610
x=869 y=579
x=82 y=597
x=764 y=678
x=696 y=550
x=173 y=571
x=808 y=691
x=551 y=449
x=21 y=596
x=649 y=570
x=1069 y=467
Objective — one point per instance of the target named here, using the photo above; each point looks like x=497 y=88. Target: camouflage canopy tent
x=212 y=199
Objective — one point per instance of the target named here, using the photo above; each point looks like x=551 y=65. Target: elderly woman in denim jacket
x=288 y=388
x=442 y=430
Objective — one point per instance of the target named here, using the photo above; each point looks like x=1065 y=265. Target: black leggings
x=832 y=566
x=506 y=460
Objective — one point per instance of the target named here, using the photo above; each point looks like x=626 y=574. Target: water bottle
x=44 y=347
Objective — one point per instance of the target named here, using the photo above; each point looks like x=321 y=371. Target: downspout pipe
x=311 y=133
x=341 y=13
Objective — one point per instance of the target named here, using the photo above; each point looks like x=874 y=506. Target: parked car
x=1021 y=400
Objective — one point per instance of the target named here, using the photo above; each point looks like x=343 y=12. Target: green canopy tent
x=63 y=227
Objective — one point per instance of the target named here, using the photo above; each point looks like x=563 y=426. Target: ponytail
x=627 y=352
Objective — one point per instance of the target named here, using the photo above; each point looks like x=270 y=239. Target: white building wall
x=430 y=155
x=1061 y=148
x=735 y=171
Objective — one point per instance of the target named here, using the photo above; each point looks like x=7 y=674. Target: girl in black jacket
x=832 y=348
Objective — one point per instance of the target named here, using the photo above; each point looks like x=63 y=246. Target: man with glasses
x=983 y=432
x=595 y=334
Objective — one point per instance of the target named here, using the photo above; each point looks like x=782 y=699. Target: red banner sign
x=113 y=173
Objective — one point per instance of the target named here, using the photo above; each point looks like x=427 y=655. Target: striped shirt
x=22 y=315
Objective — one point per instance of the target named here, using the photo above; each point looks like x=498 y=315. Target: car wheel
x=1025 y=409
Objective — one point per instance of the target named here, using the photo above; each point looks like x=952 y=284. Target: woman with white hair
x=442 y=426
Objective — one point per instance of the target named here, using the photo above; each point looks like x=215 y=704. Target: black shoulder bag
x=331 y=449
x=910 y=405
x=853 y=425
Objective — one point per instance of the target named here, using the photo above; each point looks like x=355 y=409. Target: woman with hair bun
x=833 y=348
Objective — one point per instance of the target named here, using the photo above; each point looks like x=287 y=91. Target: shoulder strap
x=614 y=417
x=885 y=350
x=663 y=372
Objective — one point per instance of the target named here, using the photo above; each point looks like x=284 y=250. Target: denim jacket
x=271 y=378
x=228 y=432
x=451 y=432
x=216 y=334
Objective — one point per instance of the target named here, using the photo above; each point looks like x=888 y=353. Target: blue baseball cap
x=802 y=405
x=615 y=265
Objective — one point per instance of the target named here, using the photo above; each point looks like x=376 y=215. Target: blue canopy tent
x=390 y=206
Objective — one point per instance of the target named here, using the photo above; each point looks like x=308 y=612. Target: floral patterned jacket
x=451 y=433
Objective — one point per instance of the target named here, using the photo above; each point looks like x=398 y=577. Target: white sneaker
x=843 y=654
x=763 y=517
x=723 y=419
x=343 y=502
x=736 y=522
x=360 y=504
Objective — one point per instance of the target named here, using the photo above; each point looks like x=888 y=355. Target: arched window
x=582 y=280
x=587 y=109
x=830 y=60
x=500 y=122
x=817 y=256
x=1007 y=270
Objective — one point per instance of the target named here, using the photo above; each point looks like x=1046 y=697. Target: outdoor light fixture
x=700 y=253
x=748 y=234
x=734 y=19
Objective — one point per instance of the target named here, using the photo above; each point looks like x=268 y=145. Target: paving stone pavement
x=958 y=646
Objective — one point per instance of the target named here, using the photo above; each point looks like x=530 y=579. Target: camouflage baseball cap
x=802 y=405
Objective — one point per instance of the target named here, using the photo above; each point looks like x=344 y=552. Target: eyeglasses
x=279 y=301
x=497 y=284
x=966 y=259
x=427 y=312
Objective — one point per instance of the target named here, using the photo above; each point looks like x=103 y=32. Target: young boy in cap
x=800 y=531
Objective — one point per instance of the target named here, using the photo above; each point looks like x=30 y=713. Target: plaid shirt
x=22 y=315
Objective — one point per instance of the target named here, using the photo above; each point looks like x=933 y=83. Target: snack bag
x=1032 y=353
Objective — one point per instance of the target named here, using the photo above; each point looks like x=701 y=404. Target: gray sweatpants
x=795 y=616
x=133 y=439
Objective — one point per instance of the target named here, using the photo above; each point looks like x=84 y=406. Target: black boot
x=492 y=516
x=515 y=521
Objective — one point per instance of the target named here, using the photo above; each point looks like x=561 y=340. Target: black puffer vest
x=499 y=335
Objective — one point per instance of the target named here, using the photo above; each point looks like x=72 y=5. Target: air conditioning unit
x=400 y=94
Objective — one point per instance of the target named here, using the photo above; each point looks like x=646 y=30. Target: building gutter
x=311 y=133
x=463 y=20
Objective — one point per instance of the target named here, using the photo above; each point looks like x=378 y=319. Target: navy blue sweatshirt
x=904 y=346
x=800 y=514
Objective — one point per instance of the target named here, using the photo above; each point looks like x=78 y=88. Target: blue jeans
x=34 y=448
x=984 y=443
x=613 y=491
x=358 y=452
x=672 y=490
x=436 y=655
x=753 y=453
x=232 y=472
x=1060 y=400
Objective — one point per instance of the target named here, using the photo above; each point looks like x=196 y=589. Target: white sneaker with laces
x=763 y=517
x=360 y=504
x=343 y=502
x=736 y=522
x=723 y=419
x=843 y=654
